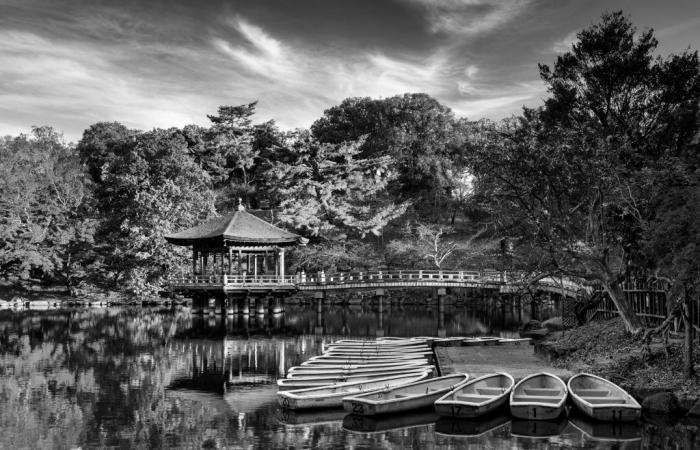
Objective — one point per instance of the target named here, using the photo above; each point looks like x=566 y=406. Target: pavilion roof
x=240 y=227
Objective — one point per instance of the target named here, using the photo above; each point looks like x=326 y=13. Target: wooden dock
x=516 y=358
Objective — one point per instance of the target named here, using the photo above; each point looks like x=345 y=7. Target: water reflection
x=131 y=378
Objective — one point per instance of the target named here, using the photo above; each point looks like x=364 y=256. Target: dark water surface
x=158 y=378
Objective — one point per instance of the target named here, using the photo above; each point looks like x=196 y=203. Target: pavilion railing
x=226 y=279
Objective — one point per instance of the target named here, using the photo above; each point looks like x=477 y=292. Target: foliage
x=327 y=189
x=152 y=188
x=335 y=256
x=419 y=134
x=45 y=227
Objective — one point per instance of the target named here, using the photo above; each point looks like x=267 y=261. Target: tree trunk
x=688 y=350
x=633 y=323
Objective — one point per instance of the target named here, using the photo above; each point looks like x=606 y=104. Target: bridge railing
x=377 y=276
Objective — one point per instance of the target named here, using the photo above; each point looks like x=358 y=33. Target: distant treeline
x=599 y=182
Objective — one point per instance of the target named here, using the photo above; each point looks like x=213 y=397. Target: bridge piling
x=244 y=305
x=260 y=305
x=231 y=306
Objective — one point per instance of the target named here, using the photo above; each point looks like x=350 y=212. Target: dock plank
x=519 y=361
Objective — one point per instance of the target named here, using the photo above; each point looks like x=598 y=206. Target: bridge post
x=231 y=306
x=442 y=331
x=198 y=303
x=318 y=330
x=260 y=305
x=243 y=305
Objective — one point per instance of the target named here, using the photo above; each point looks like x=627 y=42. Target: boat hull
x=536 y=412
x=402 y=399
x=475 y=404
x=301 y=382
x=539 y=396
x=604 y=400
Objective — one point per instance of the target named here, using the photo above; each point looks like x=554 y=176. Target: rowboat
x=377 y=345
x=476 y=398
x=345 y=370
x=332 y=396
x=386 y=423
x=373 y=352
x=384 y=342
x=540 y=396
x=328 y=418
x=363 y=365
x=349 y=361
x=480 y=427
x=416 y=395
x=601 y=399
x=305 y=382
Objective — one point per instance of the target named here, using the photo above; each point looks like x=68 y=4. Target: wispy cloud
x=564 y=45
x=470 y=16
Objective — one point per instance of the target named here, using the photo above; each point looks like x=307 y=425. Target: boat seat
x=605 y=400
x=472 y=398
x=552 y=392
x=592 y=392
x=536 y=398
x=490 y=391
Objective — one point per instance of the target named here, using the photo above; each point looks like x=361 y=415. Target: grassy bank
x=605 y=349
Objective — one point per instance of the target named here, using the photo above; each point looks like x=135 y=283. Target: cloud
x=564 y=45
x=469 y=17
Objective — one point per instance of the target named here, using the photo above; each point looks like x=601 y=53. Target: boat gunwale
x=391 y=401
x=294 y=393
x=628 y=396
x=443 y=400
x=559 y=404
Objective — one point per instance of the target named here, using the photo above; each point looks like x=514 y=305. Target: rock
x=554 y=324
x=532 y=325
x=661 y=403
x=535 y=334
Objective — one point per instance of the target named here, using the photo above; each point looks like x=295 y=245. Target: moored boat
x=353 y=360
x=540 y=396
x=361 y=365
x=477 y=397
x=345 y=370
x=305 y=382
x=601 y=399
x=416 y=395
x=332 y=396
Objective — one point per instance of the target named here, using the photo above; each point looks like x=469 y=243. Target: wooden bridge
x=393 y=279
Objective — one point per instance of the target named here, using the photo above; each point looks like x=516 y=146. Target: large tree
x=570 y=177
x=329 y=190
x=45 y=225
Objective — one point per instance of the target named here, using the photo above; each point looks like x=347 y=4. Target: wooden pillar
x=243 y=306
x=441 y=332
x=255 y=265
x=194 y=261
x=230 y=258
x=205 y=256
x=281 y=262
x=231 y=306
x=240 y=262
x=260 y=305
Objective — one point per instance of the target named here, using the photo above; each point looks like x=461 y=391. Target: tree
x=100 y=144
x=419 y=134
x=327 y=189
x=43 y=197
x=570 y=176
x=152 y=188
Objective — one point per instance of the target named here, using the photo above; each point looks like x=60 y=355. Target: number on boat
x=357 y=408
x=455 y=409
x=285 y=402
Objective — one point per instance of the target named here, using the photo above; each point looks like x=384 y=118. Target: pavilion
x=236 y=250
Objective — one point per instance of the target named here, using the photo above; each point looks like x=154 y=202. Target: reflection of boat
x=381 y=424
x=606 y=431
x=214 y=401
x=332 y=396
x=248 y=398
x=472 y=428
x=601 y=399
x=476 y=398
x=305 y=382
x=421 y=394
x=540 y=396
x=315 y=418
x=538 y=428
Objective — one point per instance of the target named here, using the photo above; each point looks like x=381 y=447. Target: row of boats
x=386 y=377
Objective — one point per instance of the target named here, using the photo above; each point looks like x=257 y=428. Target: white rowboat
x=305 y=382
x=340 y=371
x=601 y=399
x=538 y=397
x=476 y=398
x=332 y=396
x=417 y=395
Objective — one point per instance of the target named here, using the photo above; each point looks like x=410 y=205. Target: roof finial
x=240 y=204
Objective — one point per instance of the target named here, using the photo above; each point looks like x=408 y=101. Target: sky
x=163 y=63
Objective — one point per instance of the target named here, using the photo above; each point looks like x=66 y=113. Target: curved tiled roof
x=239 y=227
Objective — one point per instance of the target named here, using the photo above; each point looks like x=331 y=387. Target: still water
x=162 y=378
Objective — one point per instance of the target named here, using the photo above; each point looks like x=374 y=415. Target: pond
x=164 y=378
